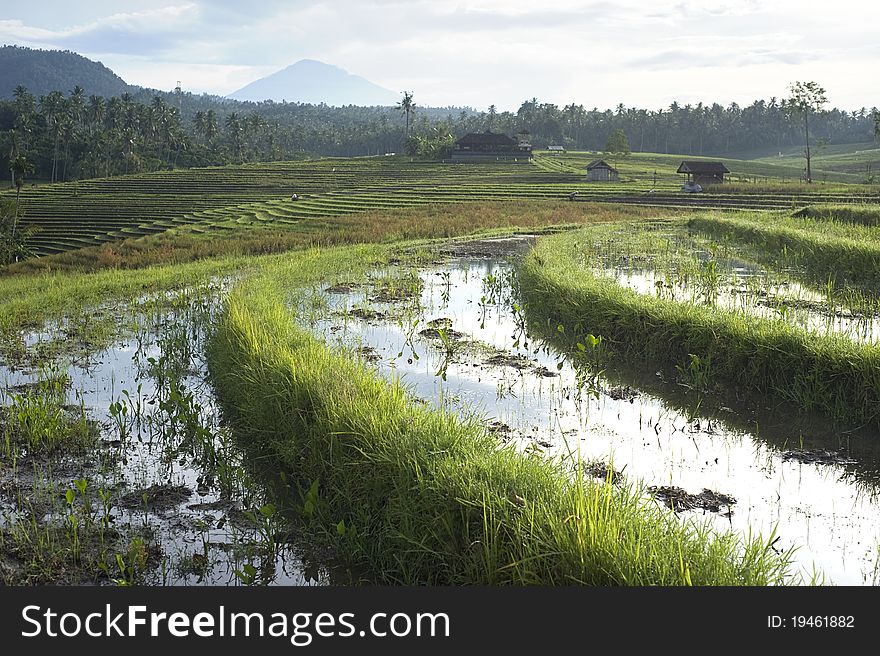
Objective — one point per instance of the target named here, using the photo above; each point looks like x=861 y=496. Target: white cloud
x=479 y=52
x=140 y=32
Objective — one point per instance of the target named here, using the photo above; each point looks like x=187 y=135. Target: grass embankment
x=868 y=215
x=388 y=225
x=844 y=253
x=758 y=356
x=27 y=301
x=67 y=283
x=410 y=494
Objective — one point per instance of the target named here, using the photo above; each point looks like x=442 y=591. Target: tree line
x=58 y=136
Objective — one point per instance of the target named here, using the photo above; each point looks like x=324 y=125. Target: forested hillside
x=42 y=71
x=74 y=131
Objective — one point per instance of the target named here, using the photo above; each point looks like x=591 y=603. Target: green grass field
x=858 y=160
x=218 y=200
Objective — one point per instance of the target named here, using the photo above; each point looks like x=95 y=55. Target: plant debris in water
x=369 y=354
x=490 y=248
x=157 y=497
x=503 y=359
x=603 y=471
x=367 y=315
x=679 y=500
x=435 y=333
x=500 y=428
x=623 y=393
x=342 y=288
x=819 y=456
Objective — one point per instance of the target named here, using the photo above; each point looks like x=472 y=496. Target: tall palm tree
x=25 y=113
x=52 y=105
x=96 y=112
x=493 y=111
x=210 y=125
x=199 y=123
x=233 y=125
x=408 y=107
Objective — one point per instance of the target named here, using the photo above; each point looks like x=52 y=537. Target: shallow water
x=725 y=281
x=145 y=449
x=791 y=302
x=818 y=488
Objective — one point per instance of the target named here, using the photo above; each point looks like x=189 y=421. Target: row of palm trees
x=75 y=136
x=78 y=137
x=681 y=128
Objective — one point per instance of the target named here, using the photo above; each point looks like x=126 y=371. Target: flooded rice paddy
x=168 y=471
x=165 y=473
x=675 y=264
x=458 y=338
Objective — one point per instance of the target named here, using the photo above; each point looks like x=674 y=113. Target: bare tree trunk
x=15 y=216
x=807 y=131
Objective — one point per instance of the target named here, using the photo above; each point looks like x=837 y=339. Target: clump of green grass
x=758 y=356
x=37 y=421
x=411 y=494
x=846 y=253
x=868 y=215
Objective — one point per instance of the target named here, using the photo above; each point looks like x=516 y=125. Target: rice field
x=441 y=374
x=227 y=199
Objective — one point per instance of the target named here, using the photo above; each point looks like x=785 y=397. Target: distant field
x=846 y=167
x=92 y=212
x=859 y=159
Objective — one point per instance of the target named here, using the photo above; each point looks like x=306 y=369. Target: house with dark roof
x=703 y=173
x=491 y=147
x=601 y=171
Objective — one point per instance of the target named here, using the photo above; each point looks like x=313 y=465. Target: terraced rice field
x=758 y=343
x=690 y=399
x=696 y=371
x=88 y=213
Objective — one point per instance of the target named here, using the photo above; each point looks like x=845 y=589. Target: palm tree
x=408 y=107
x=25 y=113
x=20 y=167
x=210 y=125
x=95 y=113
x=233 y=125
x=52 y=106
x=199 y=123
x=77 y=103
x=492 y=112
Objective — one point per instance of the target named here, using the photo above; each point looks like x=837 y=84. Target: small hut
x=556 y=150
x=601 y=171
x=703 y=173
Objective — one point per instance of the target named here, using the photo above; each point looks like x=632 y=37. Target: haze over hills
x=311 y=81
x=306 y=81
x=42 y=71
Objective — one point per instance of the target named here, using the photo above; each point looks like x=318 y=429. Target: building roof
x=600 y=164
x=485 y=138
x=703 y=168
x=556 y=148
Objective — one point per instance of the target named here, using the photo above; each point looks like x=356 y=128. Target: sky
x=645 y=53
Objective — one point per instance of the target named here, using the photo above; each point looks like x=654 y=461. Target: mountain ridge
x=43 y=71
